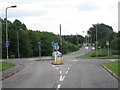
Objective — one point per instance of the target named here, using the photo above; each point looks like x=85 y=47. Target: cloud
x=74 y=15
x=87 y=7
x=16 y=14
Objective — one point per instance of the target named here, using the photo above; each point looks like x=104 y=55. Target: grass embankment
x=5 y=65
x=113 y=66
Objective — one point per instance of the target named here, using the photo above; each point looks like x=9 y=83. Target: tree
x=103 y=33
x=25 y=44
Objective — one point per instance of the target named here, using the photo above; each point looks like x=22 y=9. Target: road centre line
x=68 y=68
x=60 y=72
x=62 y=78
x=66 y=72
x=58 y=87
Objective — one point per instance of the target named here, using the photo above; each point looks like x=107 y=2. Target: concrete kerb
x=57 y=63
x=110 y=72
x=12 y=72
x=44 y=60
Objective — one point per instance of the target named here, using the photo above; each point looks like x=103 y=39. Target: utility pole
x=60 y=39
x=77 y=39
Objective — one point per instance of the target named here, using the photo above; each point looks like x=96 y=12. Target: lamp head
x=14 y=6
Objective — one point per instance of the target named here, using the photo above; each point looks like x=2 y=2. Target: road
x=74 y=73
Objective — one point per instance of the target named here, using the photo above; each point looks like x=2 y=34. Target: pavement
x=74 y=73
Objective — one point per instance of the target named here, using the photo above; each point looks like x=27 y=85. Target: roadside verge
x=11 y=71
x=110 y=72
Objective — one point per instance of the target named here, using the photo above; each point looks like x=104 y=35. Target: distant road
x=74 y=73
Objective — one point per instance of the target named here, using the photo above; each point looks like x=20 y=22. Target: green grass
x=87 y=56
x=113 y=66
x=5 y=65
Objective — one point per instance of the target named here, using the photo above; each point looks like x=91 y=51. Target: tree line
x=28 y=41
x=104 y=34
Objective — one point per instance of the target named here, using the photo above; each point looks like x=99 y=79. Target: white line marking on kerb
x=53 y=65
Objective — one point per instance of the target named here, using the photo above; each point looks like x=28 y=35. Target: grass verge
x=87 y=56
x=5 y=65
x=113 y=66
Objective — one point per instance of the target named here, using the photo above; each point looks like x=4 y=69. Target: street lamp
x=7 y=42
x=18 y=43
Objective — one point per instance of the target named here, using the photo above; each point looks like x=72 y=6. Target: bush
x=115 y=52
x=101 y=53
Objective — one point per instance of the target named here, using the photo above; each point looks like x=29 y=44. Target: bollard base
x=54 y=63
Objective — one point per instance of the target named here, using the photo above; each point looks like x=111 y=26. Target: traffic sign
x=53 y=44
x=86 y=47
x=56 y=46
x=39 y=44
x=107 y=43
x=7 y=44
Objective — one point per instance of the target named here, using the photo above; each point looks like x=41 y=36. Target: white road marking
x=62 y=78
x=68 y=68
x=57 y=68
x=60 y=72
x=53 y=65
x=58 y=87
x=66 y=72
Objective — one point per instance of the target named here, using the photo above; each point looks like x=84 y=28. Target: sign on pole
x=7 y=44
x=53 y=44
x=56 y=46
x=107 y=43
x=38 y=44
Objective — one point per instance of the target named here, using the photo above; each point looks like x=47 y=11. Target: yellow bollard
x=58 y=59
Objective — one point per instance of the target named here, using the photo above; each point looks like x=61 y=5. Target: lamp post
x=7 y=42
x=18 y=42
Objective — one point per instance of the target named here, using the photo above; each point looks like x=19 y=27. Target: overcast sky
x=75 y=16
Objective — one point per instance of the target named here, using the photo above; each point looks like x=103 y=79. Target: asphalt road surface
x=74 y=73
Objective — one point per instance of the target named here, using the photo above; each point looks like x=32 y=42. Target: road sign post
x=107 y=43
x=39 y=45
x=56 y=56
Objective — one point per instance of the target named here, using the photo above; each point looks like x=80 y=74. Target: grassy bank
x=5 y=65
x=113 y=66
